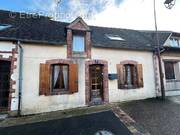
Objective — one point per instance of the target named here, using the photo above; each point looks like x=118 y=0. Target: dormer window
x=78 y=39
x=175 y=42
x=78 y=43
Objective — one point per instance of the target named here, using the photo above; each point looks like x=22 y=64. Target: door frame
x=104 y=64
x=91 y=67
x=10 y=84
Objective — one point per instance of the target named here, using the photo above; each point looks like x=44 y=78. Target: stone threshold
x=134 y=128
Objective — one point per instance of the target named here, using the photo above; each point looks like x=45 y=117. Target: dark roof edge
x=32 y=41
x=174 y=49
x=139 y=49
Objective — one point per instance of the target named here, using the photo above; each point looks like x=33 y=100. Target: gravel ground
x=156 y=116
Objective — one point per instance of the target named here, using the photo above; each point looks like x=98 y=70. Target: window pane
x=128 y=74
x=174 y=42
x=60 y=77
x=78 y=44
x=169 y=70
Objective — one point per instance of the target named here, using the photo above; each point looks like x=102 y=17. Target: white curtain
x=56 y=73
x=65 y=76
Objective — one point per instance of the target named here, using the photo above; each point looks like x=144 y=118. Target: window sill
x=172 y=80
x=129 y=87
x=60 y=92
x=79 y=55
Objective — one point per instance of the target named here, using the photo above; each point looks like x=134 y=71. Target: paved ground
x=156 y=116
x=80 y=125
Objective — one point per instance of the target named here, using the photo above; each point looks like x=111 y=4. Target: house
x=47 y=65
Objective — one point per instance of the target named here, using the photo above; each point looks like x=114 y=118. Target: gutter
x=20 y=77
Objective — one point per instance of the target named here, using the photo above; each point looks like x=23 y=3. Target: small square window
x=78 y=43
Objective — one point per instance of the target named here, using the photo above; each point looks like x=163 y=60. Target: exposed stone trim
x=105 y=79
x=12 y=82
x=60 y=61
x=134 y=128
x=78 y=24
x=129 y=62
x=69 y=43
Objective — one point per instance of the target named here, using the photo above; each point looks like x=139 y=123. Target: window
x=130 y=76
x=169 y=70
x=175 y=42
x=78 y=43
x=59 y=78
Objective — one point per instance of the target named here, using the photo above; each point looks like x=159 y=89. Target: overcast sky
x=131 y=14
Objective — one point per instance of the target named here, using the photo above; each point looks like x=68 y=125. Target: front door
x=4 y=84
x=96 y=84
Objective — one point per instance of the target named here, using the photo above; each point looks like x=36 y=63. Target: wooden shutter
x=121 y=76
x=44 y=79
x=73 y=78
x=140 y=75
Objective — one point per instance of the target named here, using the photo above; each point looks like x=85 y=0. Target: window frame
x=175 y=42
x=165 y=70
x=138 y=73
x=61 y=91
x=132 y=75
x=84 y=48
x=81 y=34
x=45 y=77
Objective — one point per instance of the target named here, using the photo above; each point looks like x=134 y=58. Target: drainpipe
x=20 y=76
x=159 y=55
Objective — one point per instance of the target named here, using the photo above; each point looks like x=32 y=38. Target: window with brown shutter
x=58 y=79
x=130 y=76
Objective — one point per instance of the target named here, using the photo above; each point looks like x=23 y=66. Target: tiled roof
x=45 y=31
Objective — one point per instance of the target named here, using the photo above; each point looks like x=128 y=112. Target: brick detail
x=60 y=61
x=129 y=62
x=78 y=26
x=69 y=43
x=88 y=44
x=105 y=79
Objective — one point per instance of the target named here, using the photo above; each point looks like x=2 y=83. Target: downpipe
x=20 y=77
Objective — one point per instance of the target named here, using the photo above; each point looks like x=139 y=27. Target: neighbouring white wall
x=172 y=87
x=8 y=46
x=115 y=57
x=31 y=101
